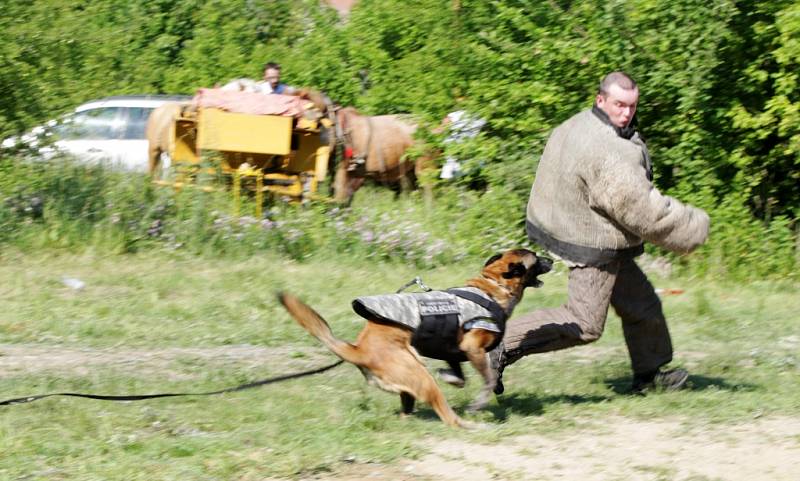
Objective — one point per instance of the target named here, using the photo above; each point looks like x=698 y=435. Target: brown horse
x=374 y=148
x=158 y=133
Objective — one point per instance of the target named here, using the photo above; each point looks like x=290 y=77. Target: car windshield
x=94 y=124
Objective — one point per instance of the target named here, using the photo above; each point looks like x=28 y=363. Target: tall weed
x=58 y=205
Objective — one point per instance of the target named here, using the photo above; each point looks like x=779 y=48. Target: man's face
x=272 y=76
x=619 y=104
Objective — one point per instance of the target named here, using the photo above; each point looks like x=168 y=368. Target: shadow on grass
x=696 y=382
x=529 y=404
x=520 y=404
x=422 y=411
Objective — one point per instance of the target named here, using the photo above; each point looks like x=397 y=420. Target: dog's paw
x=479 y=403
x=451 y=378
x=474 y=426
x=476 y=406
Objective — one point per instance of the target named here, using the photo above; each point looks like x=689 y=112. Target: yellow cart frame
x=280 y=155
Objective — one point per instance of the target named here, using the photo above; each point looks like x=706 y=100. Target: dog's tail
x=317 y=326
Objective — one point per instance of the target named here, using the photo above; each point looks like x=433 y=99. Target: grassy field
x=160 y=322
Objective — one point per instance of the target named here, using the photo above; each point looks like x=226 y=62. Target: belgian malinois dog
x=384 y=352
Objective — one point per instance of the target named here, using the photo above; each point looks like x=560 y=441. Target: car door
x=93 y=135
x=133 y=144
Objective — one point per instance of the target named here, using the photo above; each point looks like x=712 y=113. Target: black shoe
x=672 y=380
x=498 y=386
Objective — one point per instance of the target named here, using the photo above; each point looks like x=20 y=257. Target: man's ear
x=493 y=259
x=515 y=269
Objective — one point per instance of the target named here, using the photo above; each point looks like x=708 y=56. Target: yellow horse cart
x=286 y=155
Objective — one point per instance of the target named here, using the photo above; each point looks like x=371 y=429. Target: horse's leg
x=423 y=166
x=341 y=184
x=408 y=181
x=353 y=184
x=153 y=154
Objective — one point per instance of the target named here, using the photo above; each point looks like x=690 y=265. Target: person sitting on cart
x=272 y=80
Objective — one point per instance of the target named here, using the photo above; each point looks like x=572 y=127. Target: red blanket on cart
x=249 y=102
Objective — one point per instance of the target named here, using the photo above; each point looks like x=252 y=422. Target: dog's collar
x=503 y=288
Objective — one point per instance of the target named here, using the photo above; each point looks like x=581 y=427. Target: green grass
x=740 y=342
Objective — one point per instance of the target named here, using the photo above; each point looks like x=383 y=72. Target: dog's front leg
x=480 y=361
x=473 y=345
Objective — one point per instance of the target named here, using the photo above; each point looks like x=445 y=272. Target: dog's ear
x=515 y=269
x=492 y=259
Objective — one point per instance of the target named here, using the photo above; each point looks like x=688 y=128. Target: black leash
x=241 y=387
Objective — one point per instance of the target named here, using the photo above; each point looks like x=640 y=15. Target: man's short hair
x=622 y=79
x=271 y=65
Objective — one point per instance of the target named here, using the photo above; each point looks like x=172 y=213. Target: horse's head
x=344 y=116
x=345 y=135
x=321 y=103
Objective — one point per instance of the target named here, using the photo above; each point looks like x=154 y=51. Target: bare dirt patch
x=614 y=449
x=621 y=448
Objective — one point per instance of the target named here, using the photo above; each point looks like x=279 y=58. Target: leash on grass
x=141 y=397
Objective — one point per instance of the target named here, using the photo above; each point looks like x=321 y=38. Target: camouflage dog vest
x=435 y=317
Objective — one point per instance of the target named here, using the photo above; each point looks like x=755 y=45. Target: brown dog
x=385 y=351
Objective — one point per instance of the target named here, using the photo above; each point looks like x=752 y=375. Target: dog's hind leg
x=406 y=373
x=428 y=391
x=407 y=400
x=394 y=366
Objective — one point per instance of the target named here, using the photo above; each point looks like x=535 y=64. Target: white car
x=109 y=131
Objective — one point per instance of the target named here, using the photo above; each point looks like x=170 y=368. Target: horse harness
x=344 y=136
x=435 y=317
